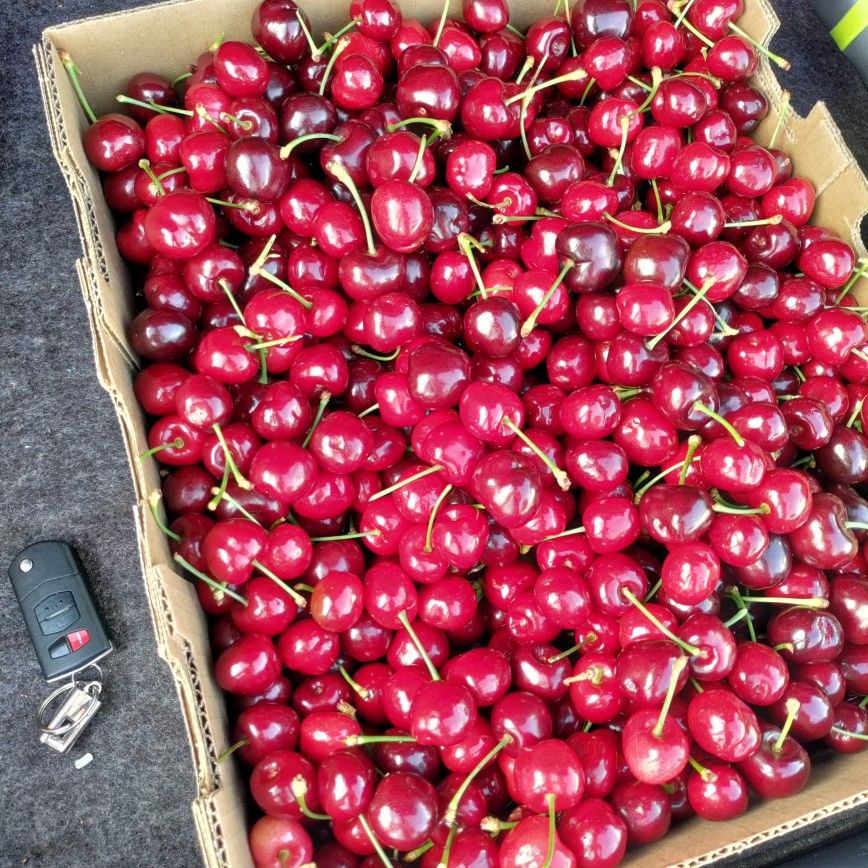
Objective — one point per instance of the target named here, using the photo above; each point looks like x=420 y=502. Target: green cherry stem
x=288 y=148
x=332 y=38
x=437 y=504
x=339 y=50
x=662 y=229
x=378 y=847
x=177 y=443
x=237 y=475
x=145 y=166
x=724 y=423
x=314 y=51
x=217 y=587
x=792 y=705
x=441 y=24
x=467 y=244
x=736 y=595
x=377 y=357
x=154 y=499
x=408 y=481
x=530 y=323
x=447 y=849
x=222 y=494
x=442 y=128
x=340 y=173
x=660 y=476
x=362 y=534
x=684 y=9
x=774 y=220
x=785 y=107
x=692 y=650
x=706 y=774
x=550 y=853
x=123 y=99
x=561 y=477
x=222 y=757
x=619 y=157
x=776 y=59
x=414 y=638
x=694 y=441
x=677 y=669
x=324 y=398
x=682 y=313
x=298 y=786
x=573 y=531
x=589 y=638
x=357 y=688
x=451 y=813
x=74 y=79
x=576 y=75
x=276 y=342
x=368 y=410
x=806 y=602
x=296 y=598
x=219 y=493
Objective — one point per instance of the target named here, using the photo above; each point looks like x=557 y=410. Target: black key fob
x=65 y=627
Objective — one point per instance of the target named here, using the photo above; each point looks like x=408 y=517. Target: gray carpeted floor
x=64 y=475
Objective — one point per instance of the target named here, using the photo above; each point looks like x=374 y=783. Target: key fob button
x=59 y=649
x=56 y=612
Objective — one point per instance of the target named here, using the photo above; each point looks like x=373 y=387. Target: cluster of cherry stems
x=511 y=414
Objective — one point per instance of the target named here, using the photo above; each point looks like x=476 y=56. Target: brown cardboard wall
x=113 y=47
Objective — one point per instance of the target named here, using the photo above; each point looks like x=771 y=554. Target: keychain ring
x=94 y=688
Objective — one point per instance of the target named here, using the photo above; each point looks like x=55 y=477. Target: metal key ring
x=94 y=688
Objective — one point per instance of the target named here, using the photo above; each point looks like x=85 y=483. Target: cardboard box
x=167 y=37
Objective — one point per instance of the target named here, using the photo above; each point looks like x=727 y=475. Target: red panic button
x=77 y=639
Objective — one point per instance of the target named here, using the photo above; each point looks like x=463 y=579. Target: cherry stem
x=573 y=531
x=219 y=493
x=739 y=601
x=441 y=24
x=658 y=200
x=807 y=602
x=281 y=284
x=661 y=475
x=430 y=528
x=692 y=650
x=857 y=273
x=339 y=50
x=785 y=106
x=701 y=770
x=588 y=88
x=441 y=127
x=314 y=51
x=408 y=481
x=182 y=77
x=123 y=99
x=846 y=732
x=526 y=68
x=419 y=852
x=154 y=499
x=340 y=172
x=222 y=494
x=561 y=477
x=593 y=673
x=769 y=221
x=170 y=172
x=550 y=854
x=244 y=124
x=724 y=423
x=697 y=33
x=447 y=849
x=324 y=398
x=619 y=159
x=860 y=354
x=466 y=243
x=555 y=658
x=414 y=638
x=656 y=79
x=682 y=313
x=73 y=72
x=238 y=206
x=420 y=156
x=685 y=8
x=576 y=75
x=451 y=814
x=662 y=229
x=298 y=786
x=358 y=740
x=863 y=702
x=530 y=323
x=493 y=826
x=727 y=509
x=237 y=475
x=740 y=615
x=357 y=688
x=361 y=351
x=677 y=669
x=654 y=589
x=341 y=536
x=145 y=166
x=332 y=38
x=726 y=329
x=693 y=443
x=696 y=685
x=288 y=148
x=368 y=410
x=221 y=758
x=276 y=342
x=177 y=443
x=856 y=525
x=782 y=62
x=792 y=705
x=296 y=598
x=217 y=587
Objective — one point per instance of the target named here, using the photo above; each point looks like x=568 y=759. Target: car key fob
x=64 y=625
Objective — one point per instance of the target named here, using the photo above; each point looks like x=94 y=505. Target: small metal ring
x=94 y=688
x=59 y=691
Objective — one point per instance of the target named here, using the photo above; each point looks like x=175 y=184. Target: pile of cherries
x=511 y=415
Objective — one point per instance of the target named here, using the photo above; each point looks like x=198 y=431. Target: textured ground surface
x=64 y=475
